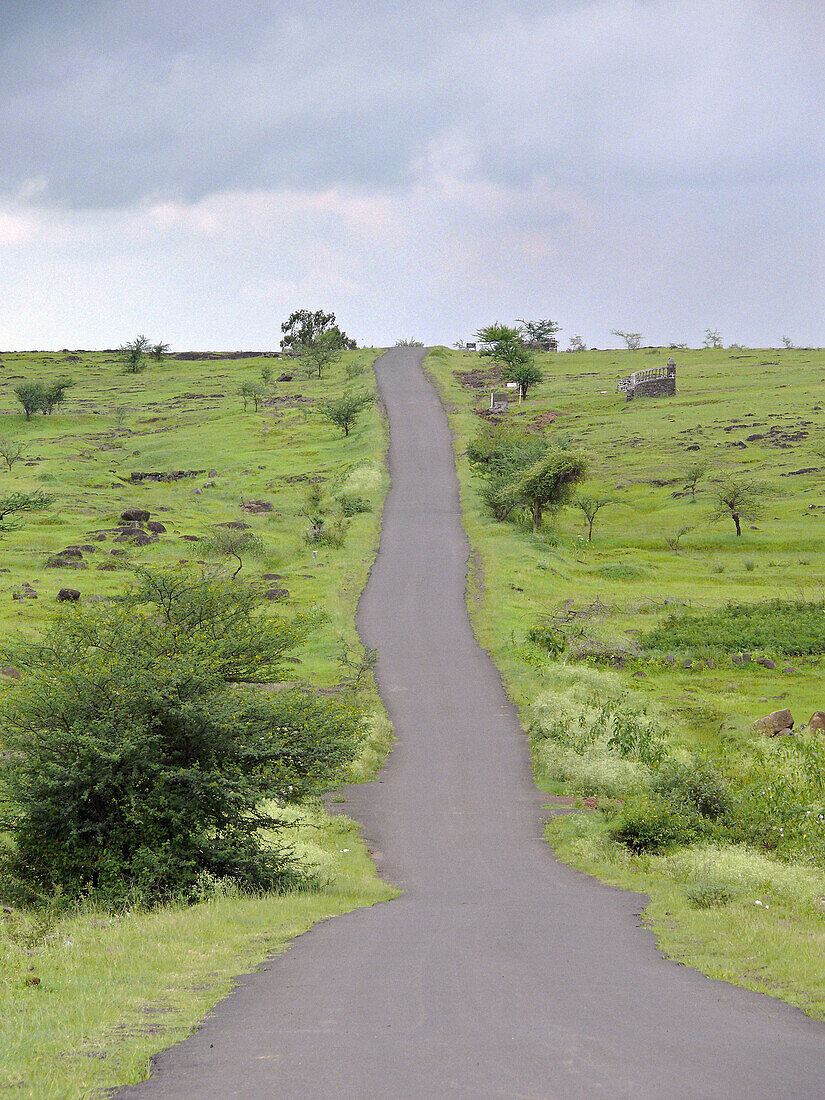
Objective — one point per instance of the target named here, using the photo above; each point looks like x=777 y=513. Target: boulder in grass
x=257 y=507
x=766 y=662
x=817 y=721
x=774 y=724
x=68 y=595
x=134 y=515
x=156 y=527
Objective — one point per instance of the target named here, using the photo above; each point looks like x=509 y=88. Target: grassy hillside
x=88 y=997
x=750 y=414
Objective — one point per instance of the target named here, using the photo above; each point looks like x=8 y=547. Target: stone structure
x=656 y=382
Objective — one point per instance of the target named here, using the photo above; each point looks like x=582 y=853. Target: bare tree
x=591 y=506
x=788 y=342
x=11 y=451
x=632 y=339
x=674 y=540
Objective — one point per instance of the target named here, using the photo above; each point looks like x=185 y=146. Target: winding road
x=500 y=972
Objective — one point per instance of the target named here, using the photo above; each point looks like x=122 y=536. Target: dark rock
x=234 y=525
x=817 y=721
x=284 y=378
x=766 y=662
x=135 y=515
x=156 y=527
x=191 y=538
x=87 y=549
x=272 y=576
x=256 y=507
x=11 y=672
x=276 y=593
x=57 y=561
x=116 y=551
x=68 y=595
x=136 y=537
x=212 y=473
x=73 y=552
x=107 y=566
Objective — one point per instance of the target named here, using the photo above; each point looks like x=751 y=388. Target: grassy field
x=89 y=997
x=747 y=413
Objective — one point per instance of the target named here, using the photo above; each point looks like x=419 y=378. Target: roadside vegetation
x=643 y=642
x=181 y=683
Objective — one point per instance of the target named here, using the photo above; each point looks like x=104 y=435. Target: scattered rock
x=766 y=662
x=276 y=593
x=773 y=724
x=68 y=595
x=212 y=473
x=256 y=507
x=191 y=538
x=117 y=551
x=11 y=672
x=817 y=721
x=107 y=566
x=73 y=552
x=272 y=576
x=234 y=525
x=688 y=664
x=134 y=515
x=156 y=527
x=790 y=670
x=173 y=475
x=284 y=378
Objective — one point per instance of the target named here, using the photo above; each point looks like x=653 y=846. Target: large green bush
x=138 y=753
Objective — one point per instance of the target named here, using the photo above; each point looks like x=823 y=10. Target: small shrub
x=353 y=505
x=697 y=785
x=547 y=639
x=788 y=627
x=709 y=893
x=655 y=825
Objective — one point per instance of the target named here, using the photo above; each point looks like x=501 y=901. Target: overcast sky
x=196 y=169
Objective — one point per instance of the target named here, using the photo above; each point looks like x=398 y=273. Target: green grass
x=603 y=596
x=115 y=989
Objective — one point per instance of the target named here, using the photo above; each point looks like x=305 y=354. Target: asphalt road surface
x=500 y=972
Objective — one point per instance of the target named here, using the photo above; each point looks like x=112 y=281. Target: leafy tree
x=505 y=345
x=539 y=332
x=499 y=454
x=133 y=354
x=577 y=344
x=693 y=475
x=550 y=483
x=712 y=339
x=633 y=340
x=591 y=506
x=321 y=351
x=55 y=394
x=16 y=504
x=159 y=350
x=229 y=543
x=345 y=410
x=303 y=326
x=252 y=392
x=11 y=451
x=136 y=763
x=31 y=396
x=740 y=498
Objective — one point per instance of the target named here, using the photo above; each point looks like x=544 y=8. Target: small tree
x=303 y=326
x=550 y=483
x=226 y=542
x=321 y=352
x=31 y=396
x=11 y=451
x=15 y=504
x=633 y=340
x=159 y=350
x=693 y=475
x=55 y=394
x=408 y=343
x=591 y=506
x=577 y=344
x=712 y=339
x=673 y=541
x=252 y=392
x=788 y=342
x=539 y=332
x=344 y=411
x=133 y=354
x=505 y=345
x=740 y=498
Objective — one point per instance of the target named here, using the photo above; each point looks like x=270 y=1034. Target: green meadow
x=652 y=669
x=88 y=996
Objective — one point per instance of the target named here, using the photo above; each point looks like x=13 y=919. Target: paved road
x=500 y=972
